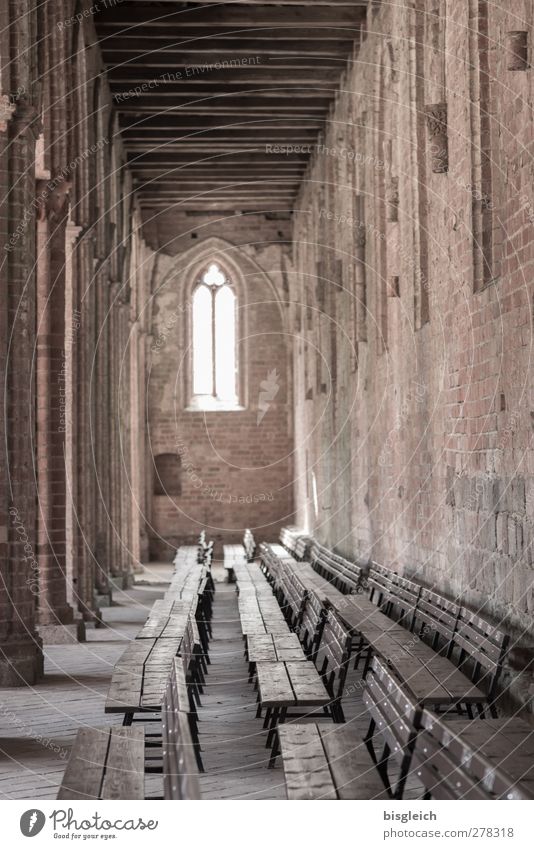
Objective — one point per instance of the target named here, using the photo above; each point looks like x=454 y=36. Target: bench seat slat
x=105 y=763
x=354 y=773
x=124 y=777
x=307 y=684
x=306 y=768
x=274 y=685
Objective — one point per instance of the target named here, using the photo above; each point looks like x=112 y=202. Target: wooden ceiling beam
x=230 y=16
x=192 y=53
x=156 y=76
x=175 y=121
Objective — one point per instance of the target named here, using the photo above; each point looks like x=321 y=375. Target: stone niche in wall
x=167 y=474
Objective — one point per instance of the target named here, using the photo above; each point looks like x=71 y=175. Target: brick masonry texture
x=414 y=401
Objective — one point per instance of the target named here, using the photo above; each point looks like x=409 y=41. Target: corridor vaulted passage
x=268 y=410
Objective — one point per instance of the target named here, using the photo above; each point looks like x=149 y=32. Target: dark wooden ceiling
x=203 y=89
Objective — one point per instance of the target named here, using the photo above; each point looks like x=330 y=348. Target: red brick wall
x=421 y=436
x=236 y=471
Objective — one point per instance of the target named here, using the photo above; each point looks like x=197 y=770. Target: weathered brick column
x=56 y=615
x=21 y=659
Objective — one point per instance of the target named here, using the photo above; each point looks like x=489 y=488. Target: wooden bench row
x=454 y=654
x=161 y=672
x=427 y=677
x=111 y=763
x=451 y=759
x=459 y=635
x=285 y=680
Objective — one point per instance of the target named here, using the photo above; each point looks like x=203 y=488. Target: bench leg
x=258 y=709
x=272 y=727
x=128 y=719
x=382 y=767
x=368 y=740
x=268 y=713
x=275 y=750
x=250 y=672
x=405 y=768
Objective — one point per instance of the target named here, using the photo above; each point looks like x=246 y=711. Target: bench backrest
x=380 y=581
x=481 y=644
x=296 y=596
x=333 y=654
x=451 y=767
x=190 y=644
x=180 y=772
x=342 y=573
x=404 y=597
x=393 y=709
x=311 y=626
x=436 y=618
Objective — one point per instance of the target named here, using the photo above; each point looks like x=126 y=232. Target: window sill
x=208 y=404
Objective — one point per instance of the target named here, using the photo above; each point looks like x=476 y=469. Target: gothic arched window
x=214 y=339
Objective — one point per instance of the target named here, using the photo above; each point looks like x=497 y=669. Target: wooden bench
x=327 y=763
x=105 y=763
x=394 y=716
x=166 y=620
x=455 y=643
x=110 y=763
x=288 y=686
x=380 y=582
x=271 y=648
x=180 y=744
x=480 y=650
x=140 y=677
x=344 y=575
x=481 y=759
x=332 y=658
x=433 y=680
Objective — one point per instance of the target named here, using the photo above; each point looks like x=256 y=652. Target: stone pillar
x=56 y=615
x=86 y=495
x=21 y=658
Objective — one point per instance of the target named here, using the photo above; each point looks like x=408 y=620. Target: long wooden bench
x=140 y=677
x=110 y=763
x=105 y=763
x=433 y=679
x=323 y=762
x=450 y=758
x=455 y=643
x=481 y=759
x=180 y=744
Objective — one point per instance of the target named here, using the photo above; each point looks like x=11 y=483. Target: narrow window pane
x=225 y=360
x=202 y=342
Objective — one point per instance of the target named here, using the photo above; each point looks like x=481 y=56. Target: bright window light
x=225 y=344
x=214 y=338
x=202 y=342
